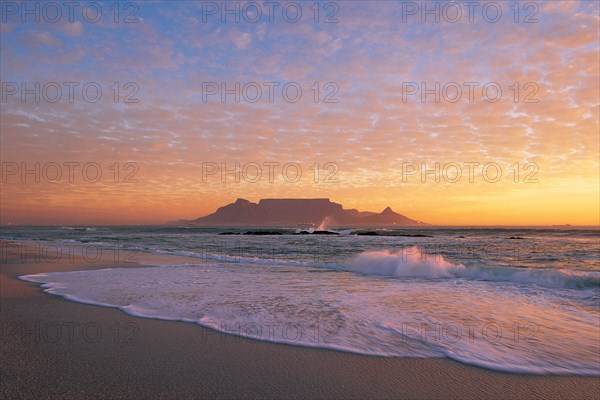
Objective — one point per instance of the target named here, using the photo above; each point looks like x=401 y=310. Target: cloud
x=74 y=28
x=369 y=132
x=6 y=28
x=242 y=41
x=41 y=38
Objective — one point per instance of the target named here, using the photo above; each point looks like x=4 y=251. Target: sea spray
x=411 y=262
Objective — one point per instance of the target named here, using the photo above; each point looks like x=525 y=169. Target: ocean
x=524 y=300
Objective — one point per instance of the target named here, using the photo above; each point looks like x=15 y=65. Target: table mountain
x=294 y=212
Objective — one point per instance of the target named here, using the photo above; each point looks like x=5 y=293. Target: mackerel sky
x=361 y=121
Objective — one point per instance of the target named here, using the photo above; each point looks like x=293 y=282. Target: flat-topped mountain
x=294 y=212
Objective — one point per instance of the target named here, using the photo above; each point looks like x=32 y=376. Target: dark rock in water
x=325 y=233
x=415 y=235
x=516 y=238
x=262 y=233
x=303 y=233
x=229 y=233
x=368 y=233
x=461 y=237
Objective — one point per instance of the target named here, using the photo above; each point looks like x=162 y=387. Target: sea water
x=524 y=300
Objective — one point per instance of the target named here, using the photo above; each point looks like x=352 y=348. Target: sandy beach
x=300 y=199
x=56 y=348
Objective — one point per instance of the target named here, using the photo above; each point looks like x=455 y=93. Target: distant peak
x=293 y=212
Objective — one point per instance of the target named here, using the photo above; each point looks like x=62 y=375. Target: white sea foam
x=433 y=307
x=409 y=263
x=412 y=262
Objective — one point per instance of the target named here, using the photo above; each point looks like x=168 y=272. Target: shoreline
x=56 y=347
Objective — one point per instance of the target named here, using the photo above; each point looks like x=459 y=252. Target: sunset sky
x=368 y=133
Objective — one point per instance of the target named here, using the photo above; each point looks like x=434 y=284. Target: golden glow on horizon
x=501 y=203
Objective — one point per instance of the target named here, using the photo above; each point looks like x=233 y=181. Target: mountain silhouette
x=294 y=212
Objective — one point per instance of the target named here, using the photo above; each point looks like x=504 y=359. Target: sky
x=452 y=113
